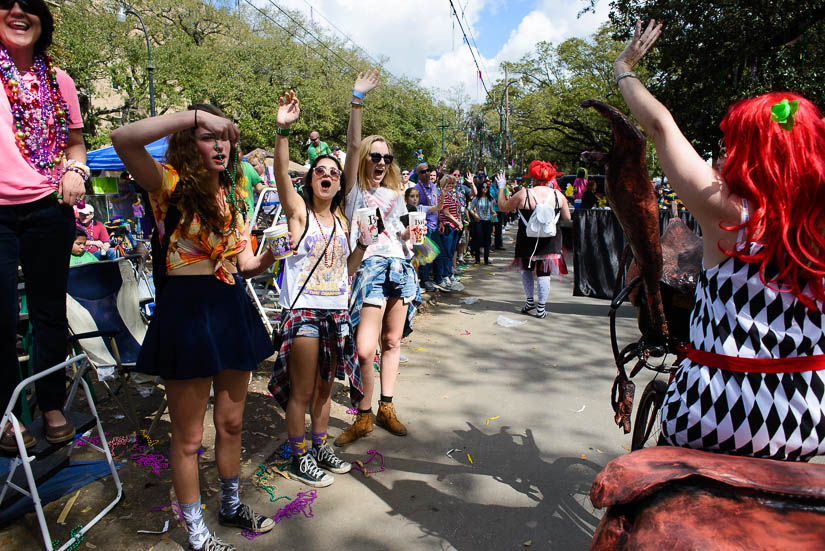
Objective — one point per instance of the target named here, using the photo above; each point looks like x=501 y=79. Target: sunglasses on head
x=322 y=171
x=8 y=4
x=376 y=158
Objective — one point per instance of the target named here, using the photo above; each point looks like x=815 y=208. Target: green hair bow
x=783 y=113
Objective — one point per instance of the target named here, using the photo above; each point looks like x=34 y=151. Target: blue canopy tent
x=107 y=159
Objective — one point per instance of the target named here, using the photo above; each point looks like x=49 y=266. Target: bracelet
x=76 y=170
x=625 y=75
x=356 y=105
x=196 y=119
x=358 y=94
x=282 y=131
x=361 y=246
x=80 y=166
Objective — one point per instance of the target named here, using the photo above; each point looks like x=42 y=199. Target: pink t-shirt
x=19 y=181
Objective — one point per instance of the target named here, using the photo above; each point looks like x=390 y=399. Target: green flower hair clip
x=783 y=113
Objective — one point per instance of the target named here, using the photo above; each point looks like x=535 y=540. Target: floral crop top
x=197 y=243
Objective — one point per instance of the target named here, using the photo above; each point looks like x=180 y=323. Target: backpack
x=543 y=221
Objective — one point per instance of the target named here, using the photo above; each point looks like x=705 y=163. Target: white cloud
x=420 y=40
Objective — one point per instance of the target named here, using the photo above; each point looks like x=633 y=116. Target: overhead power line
x=472 y=53
x=334 y=26
x=293 y=35
x=321 y=42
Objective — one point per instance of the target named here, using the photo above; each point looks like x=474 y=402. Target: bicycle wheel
x=646 y=428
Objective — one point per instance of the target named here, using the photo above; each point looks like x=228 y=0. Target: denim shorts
x=398 y=280
x=309 y=330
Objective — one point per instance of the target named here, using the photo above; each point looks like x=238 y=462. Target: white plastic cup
x=368 y=219
x=418 y=227
x=277 y=239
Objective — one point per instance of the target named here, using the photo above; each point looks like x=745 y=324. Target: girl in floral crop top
x=204 y=332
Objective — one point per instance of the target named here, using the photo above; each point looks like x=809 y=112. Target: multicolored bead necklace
x=233 y=208
x=41 y=116
x=329 y=256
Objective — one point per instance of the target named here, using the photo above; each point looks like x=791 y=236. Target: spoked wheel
x=646 y=428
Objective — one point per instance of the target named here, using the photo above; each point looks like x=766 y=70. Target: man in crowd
x=98 y=238
x=340 y=155
x=316 y=146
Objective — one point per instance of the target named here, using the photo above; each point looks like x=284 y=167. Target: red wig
x=781 y=174
x=544 y=172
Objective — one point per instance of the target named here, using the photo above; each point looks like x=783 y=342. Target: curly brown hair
x=196 y=194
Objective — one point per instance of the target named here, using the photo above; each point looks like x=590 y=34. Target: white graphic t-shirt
x=392 y=208
x=327 y=288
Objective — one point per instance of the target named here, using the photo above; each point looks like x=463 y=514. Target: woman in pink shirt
x=43 y=175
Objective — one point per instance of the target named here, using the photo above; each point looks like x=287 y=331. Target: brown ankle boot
x=387 y=418
x=360 y=427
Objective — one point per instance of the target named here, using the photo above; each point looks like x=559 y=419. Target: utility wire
x=460 y=26
x=358 y=46
x=472 y=36
x=290 y=33
x=313 y=36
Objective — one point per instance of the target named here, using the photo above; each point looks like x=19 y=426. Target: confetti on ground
x=352 y=411
x=464 y=333
x=581 y=409
x=361 y=466
x=598 y=450
x=470 y=459
x=162 y=531
x=69 y=504
x=486 y=423
x=420 y=349
x=625 y=447
x=451 y=452
x=584 y=456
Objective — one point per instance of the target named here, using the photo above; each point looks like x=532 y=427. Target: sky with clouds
x=422 y=39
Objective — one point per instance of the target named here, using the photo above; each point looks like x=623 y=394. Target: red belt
x=756 y=365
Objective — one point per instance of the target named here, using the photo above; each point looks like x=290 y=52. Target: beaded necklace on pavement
x=42 y=144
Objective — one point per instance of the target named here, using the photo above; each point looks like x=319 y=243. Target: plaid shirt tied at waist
x=336 y=331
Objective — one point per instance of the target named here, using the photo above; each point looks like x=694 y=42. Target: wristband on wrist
x=358 y=94
x=361 y=246
x=76 y=170
x=282 y=131
x=356 y=105
x=72 y=163
x=625 y=75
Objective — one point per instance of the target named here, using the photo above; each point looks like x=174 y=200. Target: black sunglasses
x=8 y=4
x=376 y=158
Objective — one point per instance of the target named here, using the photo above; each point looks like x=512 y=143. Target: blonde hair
x=446 y=179
x=392 y=177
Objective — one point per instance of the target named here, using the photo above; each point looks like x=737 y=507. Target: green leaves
x=783 y=113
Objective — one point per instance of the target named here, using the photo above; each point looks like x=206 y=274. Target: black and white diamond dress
x=778 y=416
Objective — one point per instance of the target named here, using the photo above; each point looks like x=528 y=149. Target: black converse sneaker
x=304 y=469
x=326 y=459
x=247 y=519
x=214 y=544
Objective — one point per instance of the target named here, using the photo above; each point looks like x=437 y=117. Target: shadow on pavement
x=558 y=516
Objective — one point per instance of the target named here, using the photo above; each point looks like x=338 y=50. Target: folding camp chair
x=105 y=322
x=42 y=461
x=267 y=213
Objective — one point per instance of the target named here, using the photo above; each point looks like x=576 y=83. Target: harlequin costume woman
x=752 y=382
x=43 y=175
x=385 y=287
x=537 y=257
x=204 y=332
x=318 y=344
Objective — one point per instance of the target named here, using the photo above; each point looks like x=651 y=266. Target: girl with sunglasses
x=317 y=339
x=385 y=288
x=43 y=175
x=204 y=332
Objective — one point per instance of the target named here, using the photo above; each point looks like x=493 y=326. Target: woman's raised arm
x=288 y=112
x=363 y=84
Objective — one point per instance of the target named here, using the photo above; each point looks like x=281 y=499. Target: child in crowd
x=79 y=253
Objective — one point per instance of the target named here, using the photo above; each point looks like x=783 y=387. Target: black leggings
x=482 y=231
